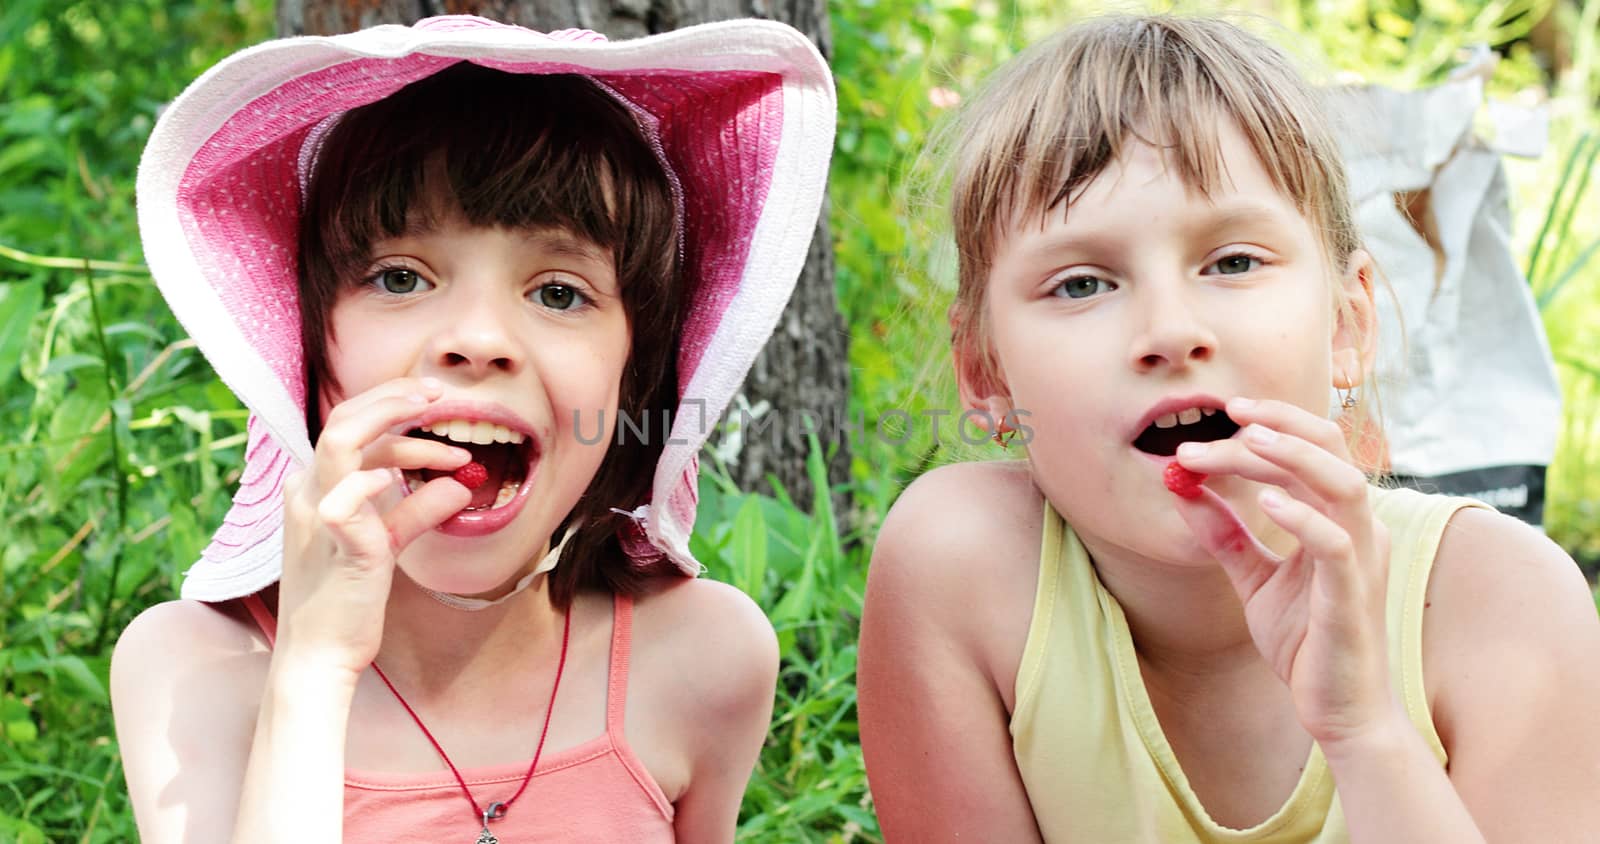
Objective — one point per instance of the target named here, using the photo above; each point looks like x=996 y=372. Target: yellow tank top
x=1092 y=755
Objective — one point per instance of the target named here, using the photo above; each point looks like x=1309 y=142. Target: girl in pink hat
x=454 y=599
x=1188 y=617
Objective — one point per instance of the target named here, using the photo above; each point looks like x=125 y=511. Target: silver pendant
x=495 y=812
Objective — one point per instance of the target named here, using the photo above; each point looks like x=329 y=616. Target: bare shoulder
x=1506 y=608
x=963 y=537
x=949 y=600
x=174 y=637
x=956 y=514
x=187 y=650
x=186 y=680
x=711 y=639
x=702 y=678
x=1511 y=658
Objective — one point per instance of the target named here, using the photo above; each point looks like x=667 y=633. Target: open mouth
x=1196 y=424
x=505 y=454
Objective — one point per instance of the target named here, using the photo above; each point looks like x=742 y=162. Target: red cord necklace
x=497 y=809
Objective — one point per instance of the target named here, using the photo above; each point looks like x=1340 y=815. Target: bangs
x=456 y=143
x=1057 y=118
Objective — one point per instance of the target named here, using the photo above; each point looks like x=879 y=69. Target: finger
x=425 y=509
x=1292 y=420
x=402 y=452
x=348 y=513
x=1225 y=537
x=1330 y=546
x=1305 y=470
x=1233 y=457
x=1322 y=480
x=429 y=388
x=342 y=443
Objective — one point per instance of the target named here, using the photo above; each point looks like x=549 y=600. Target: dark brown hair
x=517 y=151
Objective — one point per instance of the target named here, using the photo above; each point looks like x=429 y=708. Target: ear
x=1355 y=332
x=982 y=386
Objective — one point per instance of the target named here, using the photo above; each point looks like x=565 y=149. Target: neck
x=435 y=649
x=1182 y=618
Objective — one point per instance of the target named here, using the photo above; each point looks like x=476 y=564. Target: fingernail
x=1243 y=403
x=1271 y=499
x=416 y=398
x=1193 y=449
x=1260 y=435
x=432 y=383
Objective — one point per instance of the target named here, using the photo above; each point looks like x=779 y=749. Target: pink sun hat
x=744 y=115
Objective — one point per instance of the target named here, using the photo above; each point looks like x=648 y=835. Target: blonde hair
x=1051 y=119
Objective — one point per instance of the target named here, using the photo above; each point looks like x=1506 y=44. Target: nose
x=1172 y=334
x=478 y=339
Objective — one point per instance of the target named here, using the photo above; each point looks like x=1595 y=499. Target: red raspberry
x=472 y=475
x=1184 y=483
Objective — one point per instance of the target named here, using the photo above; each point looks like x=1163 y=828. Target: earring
x=1003 y=435
x=1347 y=398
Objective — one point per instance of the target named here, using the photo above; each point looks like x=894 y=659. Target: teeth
x=508 y=489
x=469 y=431
x=1190 y=416
x=504 y=496
x=1208 y=411
x=1168 y=421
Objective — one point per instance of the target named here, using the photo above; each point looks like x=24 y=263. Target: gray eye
x=1235 y=264
x=1081 y=287
x=399 y=281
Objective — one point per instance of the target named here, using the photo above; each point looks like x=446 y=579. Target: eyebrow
x=1242 y=213
x=566 y=244
x=557 y=241
x=1231 y=214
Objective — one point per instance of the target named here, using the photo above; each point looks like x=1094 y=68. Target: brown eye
x=559 y=297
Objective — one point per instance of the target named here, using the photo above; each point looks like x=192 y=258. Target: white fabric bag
x=1470 y=400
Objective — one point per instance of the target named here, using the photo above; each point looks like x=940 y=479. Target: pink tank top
x=597 y=791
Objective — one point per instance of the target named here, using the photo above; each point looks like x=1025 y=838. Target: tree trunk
x=804 y=368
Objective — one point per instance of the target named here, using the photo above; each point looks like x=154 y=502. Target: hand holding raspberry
x=472 y=475
x=1184 y=483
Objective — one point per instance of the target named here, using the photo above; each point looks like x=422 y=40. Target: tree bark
x=804 y=368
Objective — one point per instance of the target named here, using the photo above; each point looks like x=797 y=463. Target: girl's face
x=527 y=332
x=1123 y=324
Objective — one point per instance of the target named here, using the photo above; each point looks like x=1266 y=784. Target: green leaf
x=1567 y=275
x=19 y=304
x=135 y=328
x=21 y=732
x=20 y=831
x=22 y=153
x=746 y=551
x=69 y=363
x=79 y=673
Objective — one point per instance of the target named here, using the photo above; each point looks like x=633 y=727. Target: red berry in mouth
x=472 y=475
x=1184 y=483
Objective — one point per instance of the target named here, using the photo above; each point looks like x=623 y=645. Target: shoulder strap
x=262 y=615
x=617 y=685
